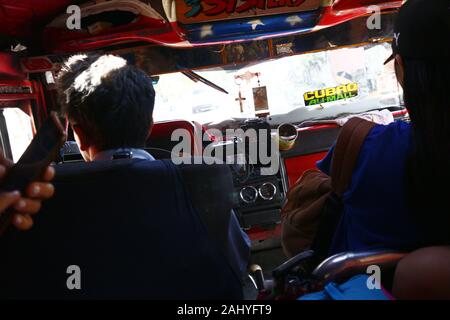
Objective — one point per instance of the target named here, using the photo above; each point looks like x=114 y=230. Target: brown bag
x=306 y=199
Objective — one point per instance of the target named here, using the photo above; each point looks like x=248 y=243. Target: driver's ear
x=399 y=70
x=81 y=138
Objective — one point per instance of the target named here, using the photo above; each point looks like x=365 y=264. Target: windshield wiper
x=196 y=77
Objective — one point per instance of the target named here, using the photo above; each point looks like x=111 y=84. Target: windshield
x=312 y=86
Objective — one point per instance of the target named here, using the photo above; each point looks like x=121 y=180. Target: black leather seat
x=137 y=229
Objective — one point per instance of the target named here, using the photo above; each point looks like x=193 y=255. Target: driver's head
x=109 y=103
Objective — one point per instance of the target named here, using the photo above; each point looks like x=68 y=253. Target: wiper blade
x=196 y=77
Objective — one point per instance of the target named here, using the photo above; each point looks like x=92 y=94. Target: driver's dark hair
x=427 y=98
x=111 y=101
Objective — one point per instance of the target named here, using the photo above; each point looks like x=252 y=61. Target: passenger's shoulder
x=397 y=129
x=394 y=138
x=386 y=147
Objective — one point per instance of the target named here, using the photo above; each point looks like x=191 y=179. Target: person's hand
x=30 y=202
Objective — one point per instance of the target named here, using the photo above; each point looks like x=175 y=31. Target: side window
x=19 y=131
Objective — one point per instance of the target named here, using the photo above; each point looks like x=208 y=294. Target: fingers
x=49 y=174
x=33 y=195
x=7 y=199
x=22 y=222
x=27 y=206
x=40 y=191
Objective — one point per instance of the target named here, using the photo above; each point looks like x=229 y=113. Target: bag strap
x=345 y=156
x=346 y=153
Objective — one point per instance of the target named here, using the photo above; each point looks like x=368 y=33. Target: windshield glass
x=314 y=86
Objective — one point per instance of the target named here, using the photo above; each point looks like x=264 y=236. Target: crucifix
x=238 y=80
x=241 y=99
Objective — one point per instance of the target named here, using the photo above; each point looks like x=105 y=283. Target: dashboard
x=258 y=194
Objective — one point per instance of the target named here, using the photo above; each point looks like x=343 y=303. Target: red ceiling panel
x=23 y=18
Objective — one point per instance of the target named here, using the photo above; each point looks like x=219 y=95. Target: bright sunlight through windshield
x=315 y=81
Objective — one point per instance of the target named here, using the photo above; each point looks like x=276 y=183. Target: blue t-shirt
x=375 y=212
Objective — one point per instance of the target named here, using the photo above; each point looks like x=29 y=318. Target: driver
x=109 y=105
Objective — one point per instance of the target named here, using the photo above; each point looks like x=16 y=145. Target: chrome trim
x=346 y=264
x=249 y=187
x=274 y=191
x=284 y=178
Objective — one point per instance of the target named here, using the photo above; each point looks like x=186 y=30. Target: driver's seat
x=131 y=228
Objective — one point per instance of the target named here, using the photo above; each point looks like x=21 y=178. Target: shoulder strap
x=344 y=159
x=346 y=152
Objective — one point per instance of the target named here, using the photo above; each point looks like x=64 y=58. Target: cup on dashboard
x=287 y=135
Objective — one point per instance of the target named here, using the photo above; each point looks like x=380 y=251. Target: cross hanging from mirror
x=241 y=100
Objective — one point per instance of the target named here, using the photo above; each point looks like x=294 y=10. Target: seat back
x=132 y=229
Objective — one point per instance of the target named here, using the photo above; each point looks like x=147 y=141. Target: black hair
x=110 y=100
x=427 y=98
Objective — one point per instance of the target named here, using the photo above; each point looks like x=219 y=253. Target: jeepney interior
x=217 y=75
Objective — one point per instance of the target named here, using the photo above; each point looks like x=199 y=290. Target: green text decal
x=331 y=94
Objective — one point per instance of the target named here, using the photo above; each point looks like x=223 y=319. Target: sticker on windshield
x=342 y=92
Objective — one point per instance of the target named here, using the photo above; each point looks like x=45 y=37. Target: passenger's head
x=422 y=59
x=421 y=48
x=109 y=104
x=421 y=40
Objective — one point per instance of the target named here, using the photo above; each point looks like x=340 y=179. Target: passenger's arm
x=423 y=275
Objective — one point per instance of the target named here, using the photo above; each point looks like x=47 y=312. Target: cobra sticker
x=342 y=92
